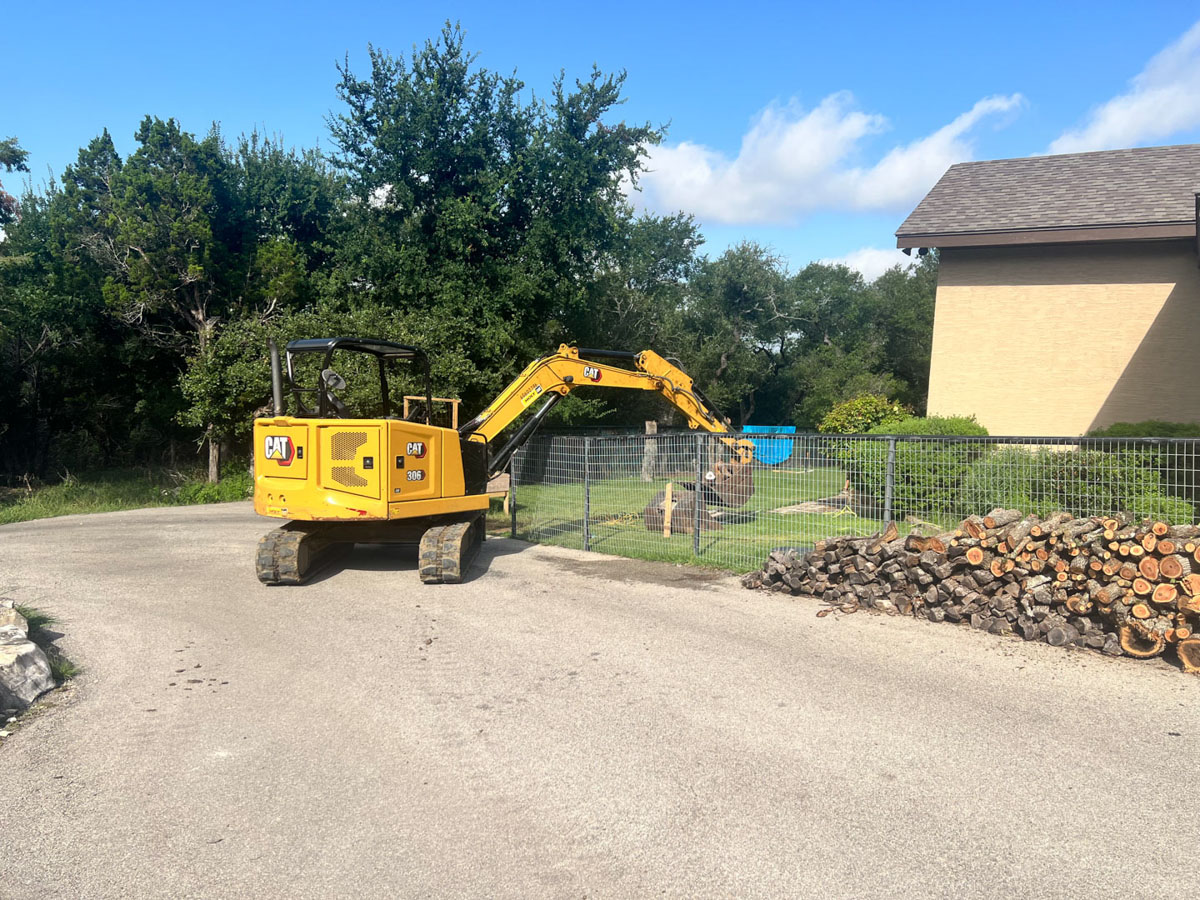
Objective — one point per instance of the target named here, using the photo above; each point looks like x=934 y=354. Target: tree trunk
x=214 y=457
x=650 y=454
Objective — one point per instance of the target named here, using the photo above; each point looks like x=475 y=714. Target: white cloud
x=794 y=161
x=1163 y=99
x=872 y=262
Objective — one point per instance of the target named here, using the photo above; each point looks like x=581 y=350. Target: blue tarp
x=769 y=452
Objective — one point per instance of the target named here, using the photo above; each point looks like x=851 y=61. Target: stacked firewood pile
x=1102 y=582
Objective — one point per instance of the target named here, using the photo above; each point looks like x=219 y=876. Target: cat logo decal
x=279 y=447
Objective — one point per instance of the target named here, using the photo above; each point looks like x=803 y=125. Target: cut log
x=1142 y=587
x=1190 y=585
x=1108 y=594
x=1127 y=572
x=1061 y=635
x=1079 y=604
x=1174 y=566
x=915 y=543
x=937 y=543
x=1139 y=641
x=1141 y=610
x=1166 y=547
x=974 y=526
x=1164 y=595
x=1020 y=531
x=1048 y=525
x=1188 y=650
x=1149 y=541
x=1148 y=567
x=976 y=556
x=1158 y=529
x=998 y=518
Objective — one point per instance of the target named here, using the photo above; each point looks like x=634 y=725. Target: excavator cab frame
x=328 y=406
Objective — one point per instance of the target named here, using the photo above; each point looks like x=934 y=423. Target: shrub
x=235 y=484
x=928 y=475
x=1177 y=463
x=935 y=425
x=1083 y=482
x=1149 y=428
x=862 y=413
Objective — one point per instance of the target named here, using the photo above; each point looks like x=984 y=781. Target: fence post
x=587 y=493
x=696 y=498
x=889 y=489
x=512 y=493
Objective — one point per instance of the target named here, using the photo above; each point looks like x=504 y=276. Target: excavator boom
x=554 y=376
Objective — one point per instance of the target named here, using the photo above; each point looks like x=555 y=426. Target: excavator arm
x=550 y=378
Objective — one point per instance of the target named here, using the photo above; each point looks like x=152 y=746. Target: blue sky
x=813 y=129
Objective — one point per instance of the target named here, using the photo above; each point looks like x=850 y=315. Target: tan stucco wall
x=1057 y=340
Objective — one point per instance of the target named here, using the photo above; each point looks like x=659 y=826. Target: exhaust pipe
x=276 y=380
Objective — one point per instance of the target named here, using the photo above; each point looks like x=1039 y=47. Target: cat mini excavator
x=340 y=479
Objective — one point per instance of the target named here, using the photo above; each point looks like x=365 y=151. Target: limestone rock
x=24 y=670
x=24 y=674
x=13 y=626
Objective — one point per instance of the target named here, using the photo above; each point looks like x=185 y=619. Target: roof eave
x=1070 y=235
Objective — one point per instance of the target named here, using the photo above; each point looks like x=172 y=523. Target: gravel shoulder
x=563 y=724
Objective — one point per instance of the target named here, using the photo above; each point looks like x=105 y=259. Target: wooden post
x=667 y=504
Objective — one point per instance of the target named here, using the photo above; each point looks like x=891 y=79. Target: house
x=1069 y=289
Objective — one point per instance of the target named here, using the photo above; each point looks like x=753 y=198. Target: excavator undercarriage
x=447 y=545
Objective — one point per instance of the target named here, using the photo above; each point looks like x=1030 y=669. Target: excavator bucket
x=732 y=482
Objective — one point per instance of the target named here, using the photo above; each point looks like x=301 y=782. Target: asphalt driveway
x=562 y=725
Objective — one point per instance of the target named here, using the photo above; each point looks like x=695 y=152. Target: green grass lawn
x=117 y=489
x=553 y=514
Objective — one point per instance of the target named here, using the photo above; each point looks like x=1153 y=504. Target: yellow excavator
x=341 y=479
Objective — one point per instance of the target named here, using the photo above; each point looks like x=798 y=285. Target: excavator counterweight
x=342 y=479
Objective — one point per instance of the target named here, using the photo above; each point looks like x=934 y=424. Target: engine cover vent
x=345 y=475
x=345 y=444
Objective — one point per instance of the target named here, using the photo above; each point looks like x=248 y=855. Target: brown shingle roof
x=1145 y=186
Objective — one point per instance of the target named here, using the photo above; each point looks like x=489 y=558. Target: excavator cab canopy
x=328 y=383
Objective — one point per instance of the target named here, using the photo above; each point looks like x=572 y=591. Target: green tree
x=12 y=159
x=190 y=236
x=737 y=312
x=483 y=217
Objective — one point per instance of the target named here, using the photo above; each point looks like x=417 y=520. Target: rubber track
x=288 y=555
x=447 y=551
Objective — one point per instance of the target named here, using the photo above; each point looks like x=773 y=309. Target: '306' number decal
x=416 y=474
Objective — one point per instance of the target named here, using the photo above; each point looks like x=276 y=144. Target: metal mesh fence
x=609 y=493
